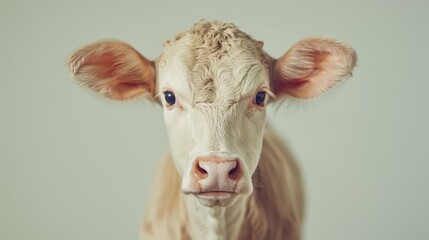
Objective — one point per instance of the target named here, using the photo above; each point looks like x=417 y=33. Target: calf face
x=214 y=83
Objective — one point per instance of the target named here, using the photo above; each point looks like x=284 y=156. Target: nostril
x=200 y=172
x=235 y=173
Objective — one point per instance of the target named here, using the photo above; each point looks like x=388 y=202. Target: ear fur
x=114 y=70
x=311 y=67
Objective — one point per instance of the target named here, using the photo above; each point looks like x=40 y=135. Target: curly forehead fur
x=221 y=64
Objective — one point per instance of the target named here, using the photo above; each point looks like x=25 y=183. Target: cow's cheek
x=256 y=122
x=180 y=137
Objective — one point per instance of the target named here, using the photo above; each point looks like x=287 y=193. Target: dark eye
x=259 y=98
x=170 y=98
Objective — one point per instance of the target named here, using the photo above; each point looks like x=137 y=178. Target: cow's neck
x=215 y=223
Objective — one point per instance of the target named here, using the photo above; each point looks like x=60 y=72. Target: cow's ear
x=311 y=67
x=114 y=70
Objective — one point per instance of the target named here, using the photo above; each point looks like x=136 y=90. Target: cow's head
x=214 y=83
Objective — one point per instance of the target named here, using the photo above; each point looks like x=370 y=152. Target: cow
x=227 y=175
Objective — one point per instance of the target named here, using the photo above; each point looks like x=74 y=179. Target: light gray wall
x=74 y=166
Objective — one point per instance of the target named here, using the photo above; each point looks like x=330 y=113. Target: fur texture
x=220 y=62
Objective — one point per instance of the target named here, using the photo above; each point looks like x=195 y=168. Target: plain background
x=75 y=166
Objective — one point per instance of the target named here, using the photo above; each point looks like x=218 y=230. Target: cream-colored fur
x=274 y=210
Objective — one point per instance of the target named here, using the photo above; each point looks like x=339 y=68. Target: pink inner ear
x=282 y=86
x=129 y=90
x=309 y=80
x=105 y=65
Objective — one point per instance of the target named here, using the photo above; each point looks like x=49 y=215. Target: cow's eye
x=169 y=98
x=259 y=98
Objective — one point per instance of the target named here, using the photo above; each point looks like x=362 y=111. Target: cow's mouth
x=216 y=198
x=215 y=194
